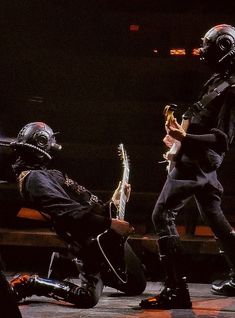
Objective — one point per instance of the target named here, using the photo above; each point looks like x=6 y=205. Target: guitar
x=175 y=148
x=110 y=243
x=125 y=179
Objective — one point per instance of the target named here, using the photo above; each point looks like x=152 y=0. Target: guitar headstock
x=123 y=155
x=169 y=112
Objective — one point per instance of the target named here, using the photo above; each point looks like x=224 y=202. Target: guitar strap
x=207 y=98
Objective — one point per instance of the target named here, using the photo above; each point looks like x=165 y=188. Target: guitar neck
x=123 y=198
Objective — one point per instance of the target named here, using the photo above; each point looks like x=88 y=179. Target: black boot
x=175 y=293
x=83 y=297
x=170 y=298
x=226 y=287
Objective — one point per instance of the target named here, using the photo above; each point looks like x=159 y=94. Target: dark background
x=77 y=66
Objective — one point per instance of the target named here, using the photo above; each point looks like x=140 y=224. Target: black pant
x=183 y=182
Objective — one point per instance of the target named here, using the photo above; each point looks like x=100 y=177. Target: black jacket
x=71 y=207
x=211 y=128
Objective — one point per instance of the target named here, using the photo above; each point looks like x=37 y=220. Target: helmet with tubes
x=218 y=46
x=36 y=142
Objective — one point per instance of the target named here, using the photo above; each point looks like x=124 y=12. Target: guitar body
x=107 y=250
x=173 y=152
x=111 y=246
x=175 y=148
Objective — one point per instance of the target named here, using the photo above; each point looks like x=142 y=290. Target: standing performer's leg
x=175 y=293
x=210 y=201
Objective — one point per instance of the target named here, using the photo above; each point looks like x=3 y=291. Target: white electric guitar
x=175 y=148
x=125 y=179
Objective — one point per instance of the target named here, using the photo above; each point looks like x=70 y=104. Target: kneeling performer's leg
x=85 y=296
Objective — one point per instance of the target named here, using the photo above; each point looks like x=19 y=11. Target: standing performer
x=202 y=139
x=79 y=217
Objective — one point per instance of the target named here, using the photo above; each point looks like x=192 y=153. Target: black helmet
x=36 y=140
x=218 y=46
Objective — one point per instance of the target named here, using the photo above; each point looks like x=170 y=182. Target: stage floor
x=116 y=305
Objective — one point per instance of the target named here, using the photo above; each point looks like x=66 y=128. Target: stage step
x=43 y=237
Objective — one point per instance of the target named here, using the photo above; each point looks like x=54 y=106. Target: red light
x=134 y=27
x=178 y=51
x=196 y=51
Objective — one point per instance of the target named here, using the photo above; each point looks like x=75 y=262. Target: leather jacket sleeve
x=48 y=196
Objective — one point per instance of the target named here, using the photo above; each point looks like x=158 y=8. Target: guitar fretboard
x=123 y=198
x=125 y=180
